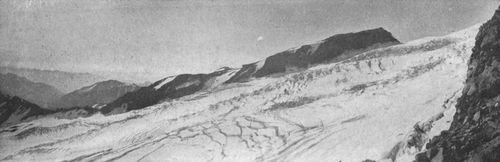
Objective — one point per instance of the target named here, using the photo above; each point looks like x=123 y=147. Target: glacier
x=382 y=105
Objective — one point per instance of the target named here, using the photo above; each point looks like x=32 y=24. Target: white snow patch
x=88 y=89
x=189 y=83
x=219 y=80
x=260 y=64
x=165 y=81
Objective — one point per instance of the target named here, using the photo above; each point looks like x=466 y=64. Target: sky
x=145 y=40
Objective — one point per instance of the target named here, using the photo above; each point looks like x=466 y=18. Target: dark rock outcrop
x=16 y=109
x=97 y=94
x=38 y=93
x=474 y=134
x=336 y=48
x=165 y=89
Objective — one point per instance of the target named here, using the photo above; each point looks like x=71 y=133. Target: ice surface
x=348 y=111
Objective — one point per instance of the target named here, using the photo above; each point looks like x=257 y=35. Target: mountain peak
x=98 y=93
x=332 y=49
x=375 y=34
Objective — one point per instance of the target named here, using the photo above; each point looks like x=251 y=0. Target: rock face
x=474 y=134
x=14 y=109
x=168 y=88
x=95 y=95
x=38 y=93
x=336 y=48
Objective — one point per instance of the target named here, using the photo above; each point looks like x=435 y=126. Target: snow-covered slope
x=380 y=105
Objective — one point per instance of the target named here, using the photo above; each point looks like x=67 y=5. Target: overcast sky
x=156 y=38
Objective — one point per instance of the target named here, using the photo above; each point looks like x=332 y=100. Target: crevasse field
x=383 y=104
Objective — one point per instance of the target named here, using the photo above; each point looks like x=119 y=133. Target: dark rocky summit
x=474 y=134
x=333 y=49
x=96 y=94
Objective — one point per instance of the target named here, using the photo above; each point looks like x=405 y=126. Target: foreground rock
x=474 y=134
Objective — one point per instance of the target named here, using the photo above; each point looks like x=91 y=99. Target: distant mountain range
x=97 y=94
x=80 y=103
x=63 y=81
x=38 y=93
x=49 y=97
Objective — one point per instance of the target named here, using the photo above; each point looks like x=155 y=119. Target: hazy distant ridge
x=38 y=93
x=64 y=81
